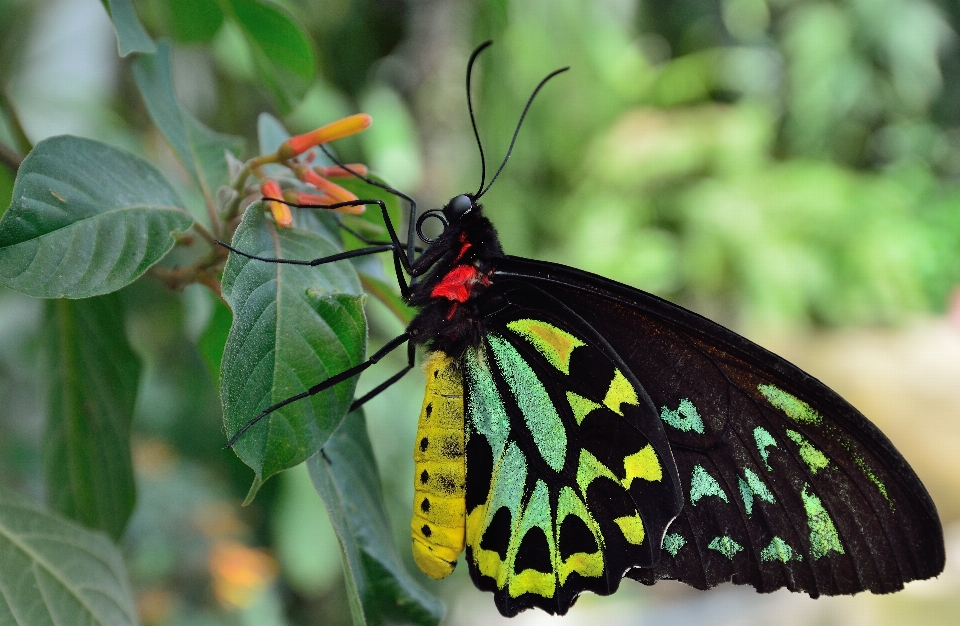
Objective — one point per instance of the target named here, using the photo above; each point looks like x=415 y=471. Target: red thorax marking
x=466 y=246
x=457 y=284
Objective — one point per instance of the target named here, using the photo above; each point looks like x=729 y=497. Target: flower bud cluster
x=296 y=154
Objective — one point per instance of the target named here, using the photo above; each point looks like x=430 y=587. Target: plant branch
x=16 y=128
x=10 y=157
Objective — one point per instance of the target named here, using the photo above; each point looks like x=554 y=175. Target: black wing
x=785 y=483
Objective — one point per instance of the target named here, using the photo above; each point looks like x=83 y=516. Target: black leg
x=371 y=242
x=412 y=215
x=350 y=254
x=411 y=355
x=401 y=263
x=407 y=264
x=391 y=345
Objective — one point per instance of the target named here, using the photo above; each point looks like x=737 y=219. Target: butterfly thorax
x=458 y=267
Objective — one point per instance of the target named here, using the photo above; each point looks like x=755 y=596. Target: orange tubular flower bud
x=319 y=200
x=325 y=134
x=335 y=171
x=335 y=191
x=281 y=212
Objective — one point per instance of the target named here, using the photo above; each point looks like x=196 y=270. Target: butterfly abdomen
x=438 y=520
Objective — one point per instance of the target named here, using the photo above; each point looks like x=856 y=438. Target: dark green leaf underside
x=199 y=149
x=345 y=475
x=56 y=572
x=293 y=327
x=93 y=386
x=86 y=219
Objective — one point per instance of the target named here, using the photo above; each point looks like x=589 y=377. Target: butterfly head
x=452 y=214
x=458 y=207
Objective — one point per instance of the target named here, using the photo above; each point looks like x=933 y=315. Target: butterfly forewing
x=784 y=483
x=570 y=480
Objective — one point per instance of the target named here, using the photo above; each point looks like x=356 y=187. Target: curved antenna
x=473 y=120
x=517 y=131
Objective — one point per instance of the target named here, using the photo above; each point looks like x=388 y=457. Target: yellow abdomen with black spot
x=438 y=525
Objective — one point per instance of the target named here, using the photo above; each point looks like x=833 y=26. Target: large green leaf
x=56 y=572
x=194 y=21
x=86 y=219
x=382 y=590
x=93 y=381
x=131 y=35
x=282 y=49
x=199 y=149
x=293 y=327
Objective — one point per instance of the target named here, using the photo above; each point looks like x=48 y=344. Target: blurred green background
x=788 y=168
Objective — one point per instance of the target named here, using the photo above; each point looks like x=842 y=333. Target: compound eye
x=458 y=207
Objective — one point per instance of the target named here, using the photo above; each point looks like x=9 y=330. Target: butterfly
x=575 y=431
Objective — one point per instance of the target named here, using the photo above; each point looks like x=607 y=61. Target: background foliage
x=783 y=166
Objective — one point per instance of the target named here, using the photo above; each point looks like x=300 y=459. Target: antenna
x=473 y=119
x=517 y=131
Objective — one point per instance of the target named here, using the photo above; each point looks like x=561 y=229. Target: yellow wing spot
x=531 y=581
x=643 y=464
x=632 y=528
x=620 y=392
x=554 y=344
x=580 y=406
x=589 y=469
x=583 y=563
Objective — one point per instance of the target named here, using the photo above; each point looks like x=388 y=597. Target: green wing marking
x=764 y=440
x=702 y=484
x=814 y=459
x=823 y=534
x=872 y=477
x=534 y=402
x=779 y=550
x=752 y=488
x=795 y=408
x=684 y=418
x=725 y=546
x=672 y=543
x=485 y=408
x=580 y=406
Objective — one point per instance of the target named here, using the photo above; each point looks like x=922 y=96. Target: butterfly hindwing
x=570 y=480
x=784 y=483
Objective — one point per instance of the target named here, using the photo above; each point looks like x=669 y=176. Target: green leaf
x=293 y=327
x=86 y=219
x=382 y=590
x=93 y=382
x=56 y=572
x=131 y=36
x=199 y=149
x=282 y=49
x=270 y=134
x=194 y=21
x=214 y=337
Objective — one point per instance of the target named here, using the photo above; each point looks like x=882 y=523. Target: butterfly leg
x=390 y=346
x=411 y=353
x=372 y=242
